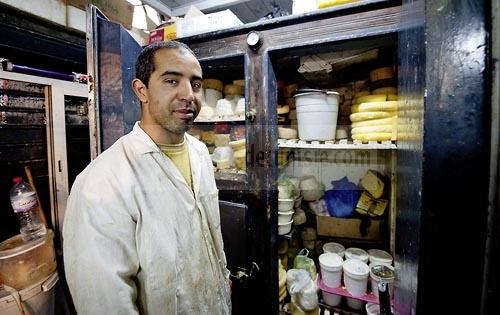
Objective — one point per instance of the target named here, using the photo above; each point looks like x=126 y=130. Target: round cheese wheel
x=375 y=136
x=361 y=116
x=381 y=74
x=212 y=84
x=388 y=106
x=375 y=122
x=386 y=90
x=372 y=129
x=232 y=89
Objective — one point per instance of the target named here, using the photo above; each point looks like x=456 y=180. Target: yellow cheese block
x=373 y=182
x=361 y=93
x=213 y=84
x=371 y=206
x=372 y=129
x=386 y=90
x=392 y=97
x=375 y=122
x=283 y=109
x=370 y=98
x=381 y=74
x=361 y=116
x=239 y=82
x=388 y=106
x=232 y=89
x=376 y=136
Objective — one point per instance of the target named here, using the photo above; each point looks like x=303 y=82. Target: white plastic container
x=37 y=298
x=285 y=204
x=372 y=309
x=331 y=269
x=374 y=279
x=284 y=228
x=317 y=114
x=331 y=298
x=333 y=247
x=317 y=122
x=356 y=281
x=284 y=217
x=356 y=253
x=379 y=256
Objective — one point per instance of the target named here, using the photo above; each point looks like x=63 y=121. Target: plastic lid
x=330 y=261
x=378 y=255
x=16 y=246
x=382 y=272
x=17 y=179
x=333 y=247
x=356 y=268
x=356 y=253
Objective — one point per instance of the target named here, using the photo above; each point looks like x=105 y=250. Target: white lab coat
x=136 y=238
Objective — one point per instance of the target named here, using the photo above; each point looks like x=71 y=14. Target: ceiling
x=247 y=10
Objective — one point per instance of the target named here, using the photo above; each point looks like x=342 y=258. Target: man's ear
x=140 y=89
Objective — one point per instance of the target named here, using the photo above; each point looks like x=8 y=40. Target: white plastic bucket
x=331 y=298
x=317 y=122
x=37 y=298
x=331 y=269
x=374 y=280
x=356 y=253
x=355 y=304
x=372 y=309
x=379 y=256
x=355 y=277
x=332 y=247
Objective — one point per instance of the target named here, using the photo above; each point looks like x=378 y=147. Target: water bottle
x=24 y=202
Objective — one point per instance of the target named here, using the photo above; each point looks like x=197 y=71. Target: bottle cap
x=17 y=179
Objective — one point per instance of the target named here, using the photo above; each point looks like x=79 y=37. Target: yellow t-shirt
x=179 y=154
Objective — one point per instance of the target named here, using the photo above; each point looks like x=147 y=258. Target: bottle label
x=24 y=202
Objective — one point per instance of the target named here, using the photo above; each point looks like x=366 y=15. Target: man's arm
x=99 y=249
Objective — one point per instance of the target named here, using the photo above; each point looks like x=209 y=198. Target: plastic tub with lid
x=24 y=263
x=37 y=298
x=333 y=247
x=356 y=253
x=380 y=272
x=379 y=256
x=355 y=280
x=331 y=269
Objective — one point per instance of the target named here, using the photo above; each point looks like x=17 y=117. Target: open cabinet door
x=111 y=55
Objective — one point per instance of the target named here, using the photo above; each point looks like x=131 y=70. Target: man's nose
x=185 y=91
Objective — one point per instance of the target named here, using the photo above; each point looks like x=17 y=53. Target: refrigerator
x=437 y=169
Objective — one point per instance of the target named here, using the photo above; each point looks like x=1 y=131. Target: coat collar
x=143 y=144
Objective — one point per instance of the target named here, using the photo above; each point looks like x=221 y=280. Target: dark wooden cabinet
x=439 y=167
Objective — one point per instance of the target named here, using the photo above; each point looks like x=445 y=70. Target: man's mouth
x=185 y=113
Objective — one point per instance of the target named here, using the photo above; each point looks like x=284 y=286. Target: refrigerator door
x=111 y=55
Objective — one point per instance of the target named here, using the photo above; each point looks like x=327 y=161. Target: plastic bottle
x=24 y=202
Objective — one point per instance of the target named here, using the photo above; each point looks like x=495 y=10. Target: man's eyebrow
x=176 y=73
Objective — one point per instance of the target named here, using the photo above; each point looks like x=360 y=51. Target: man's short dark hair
x=145 y=64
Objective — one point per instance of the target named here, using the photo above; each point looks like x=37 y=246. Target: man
x=142 y=226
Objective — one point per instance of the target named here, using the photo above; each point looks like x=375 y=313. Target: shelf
x=220 y=119
x=337 y=144
x=235 y=176
x=368 y=297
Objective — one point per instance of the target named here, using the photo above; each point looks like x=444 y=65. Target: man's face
x=173 y=96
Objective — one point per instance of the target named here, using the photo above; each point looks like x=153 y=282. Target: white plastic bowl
x=284 y=228
x=284 y=217
x=285 y=204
